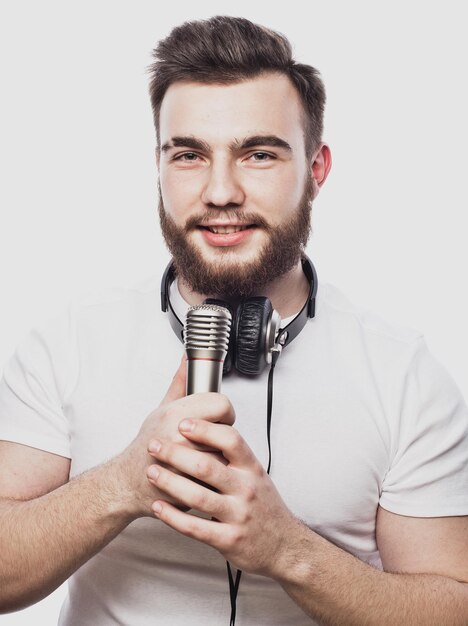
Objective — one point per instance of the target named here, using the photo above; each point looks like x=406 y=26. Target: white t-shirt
x=362 y=414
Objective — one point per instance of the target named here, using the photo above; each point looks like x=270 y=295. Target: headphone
x=256 y=334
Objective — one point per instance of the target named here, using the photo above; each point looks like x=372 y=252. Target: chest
x=328 y=432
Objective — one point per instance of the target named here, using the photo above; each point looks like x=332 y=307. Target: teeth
x=224 y=230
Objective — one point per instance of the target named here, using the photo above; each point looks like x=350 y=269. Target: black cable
x=274 y=357
x=234 y=586
x=233 y=589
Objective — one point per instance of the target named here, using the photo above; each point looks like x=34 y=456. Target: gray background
x=78 y=191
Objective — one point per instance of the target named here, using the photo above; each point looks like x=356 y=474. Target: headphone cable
x=234 y=585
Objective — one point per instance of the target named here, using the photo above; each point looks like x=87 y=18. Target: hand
x=251 y=525
x=163 y=424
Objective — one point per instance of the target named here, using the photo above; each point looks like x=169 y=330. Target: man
x=363 y=518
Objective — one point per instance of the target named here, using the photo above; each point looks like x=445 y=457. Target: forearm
x=43 y=541
x=337 y=589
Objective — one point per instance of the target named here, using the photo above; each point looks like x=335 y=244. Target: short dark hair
x=225 y=49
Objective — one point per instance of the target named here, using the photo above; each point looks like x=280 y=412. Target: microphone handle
x=203 y=374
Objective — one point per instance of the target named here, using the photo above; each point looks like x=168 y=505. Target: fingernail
x=155 y=446
x=186 y=425
x=157 y=508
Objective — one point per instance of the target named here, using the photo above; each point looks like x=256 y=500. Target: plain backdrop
x=78 y=193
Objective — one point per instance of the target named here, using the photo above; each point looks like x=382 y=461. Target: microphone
x=206 y=337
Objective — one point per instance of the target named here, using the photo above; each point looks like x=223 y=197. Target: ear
x=321 y=165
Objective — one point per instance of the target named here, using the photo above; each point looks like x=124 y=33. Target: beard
x=238 y=279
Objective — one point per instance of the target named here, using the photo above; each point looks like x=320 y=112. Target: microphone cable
x=234 y=584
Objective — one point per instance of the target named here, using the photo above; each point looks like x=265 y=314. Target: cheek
x=277 y=197
x=180 y=194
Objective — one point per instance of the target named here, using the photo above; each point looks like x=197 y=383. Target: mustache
x=228 y=215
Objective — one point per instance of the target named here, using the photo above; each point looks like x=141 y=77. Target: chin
x=241 y=253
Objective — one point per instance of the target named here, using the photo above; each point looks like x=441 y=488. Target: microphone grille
x=207 y=327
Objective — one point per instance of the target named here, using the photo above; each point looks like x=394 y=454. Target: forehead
x=267 y=104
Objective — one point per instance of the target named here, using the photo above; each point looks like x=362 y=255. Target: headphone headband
x=166 y=305
x=287 y=334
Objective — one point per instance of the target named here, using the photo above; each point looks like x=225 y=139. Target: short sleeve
x=34 y=385
x=428 y=474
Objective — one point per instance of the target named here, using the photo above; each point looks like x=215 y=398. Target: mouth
x=222 y=236
x=226 y=230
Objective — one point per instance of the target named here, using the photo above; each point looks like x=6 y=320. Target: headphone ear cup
x=252 y=319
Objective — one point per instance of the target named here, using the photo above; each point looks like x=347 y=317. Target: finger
x=221 y=437
x=177 y=387
x=204 y=530
x=202 y=466
x=210 y=406
x=187 y=491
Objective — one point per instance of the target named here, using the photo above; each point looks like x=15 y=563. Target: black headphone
x=256 y=332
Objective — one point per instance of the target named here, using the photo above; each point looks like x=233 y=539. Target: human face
x=214 y=175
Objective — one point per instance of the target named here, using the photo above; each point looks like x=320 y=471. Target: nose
x=222 y=188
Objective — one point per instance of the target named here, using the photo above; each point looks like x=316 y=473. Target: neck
x=287 y=294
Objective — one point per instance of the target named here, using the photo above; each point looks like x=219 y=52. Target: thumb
x=177 y=387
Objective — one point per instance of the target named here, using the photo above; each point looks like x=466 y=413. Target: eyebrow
x=249 y=142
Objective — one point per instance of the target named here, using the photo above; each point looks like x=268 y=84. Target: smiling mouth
x=226 y=230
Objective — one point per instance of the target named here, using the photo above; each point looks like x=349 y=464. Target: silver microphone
x=206 y=337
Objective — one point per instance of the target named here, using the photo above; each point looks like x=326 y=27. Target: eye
x=182 y=157
x=263 y=155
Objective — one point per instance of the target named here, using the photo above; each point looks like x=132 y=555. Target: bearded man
x=361 y=518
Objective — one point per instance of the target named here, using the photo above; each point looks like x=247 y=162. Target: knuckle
x=244 y=513
x=191 y=529
x=176 y=409
x=235 y=537
x=165 y=451
x=224 y=406
x=259 y=471
x=200 y=502
x=170 y=412
x=204 y=468
x=235 y=441
x=204 y=535
x=163 y=478
x=208 y=502
x=250 y=493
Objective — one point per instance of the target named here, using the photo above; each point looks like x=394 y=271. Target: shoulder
x=91 y=314
x=363 y=342
x=109 y=306
x=337 y=308
x=117 y=294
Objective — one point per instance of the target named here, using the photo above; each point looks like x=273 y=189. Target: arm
x=256 y=532
x=50 y=527
x=336 y=588
x=45 y=537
